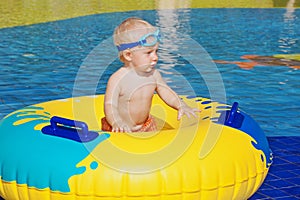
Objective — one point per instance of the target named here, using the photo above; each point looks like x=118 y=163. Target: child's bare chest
x=141 y=89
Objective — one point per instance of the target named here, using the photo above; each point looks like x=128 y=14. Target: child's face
x=144 y=59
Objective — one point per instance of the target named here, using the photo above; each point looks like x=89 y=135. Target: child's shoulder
x=156 y=74
x=119 y=73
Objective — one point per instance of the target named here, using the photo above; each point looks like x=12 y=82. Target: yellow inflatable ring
x=197 y=158
x=288 y=56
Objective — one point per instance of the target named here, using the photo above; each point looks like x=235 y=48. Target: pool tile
x=285 y=174
x=292 y=158
x=294 y=191
x=283 y=180
x=258 y=195
x=284 y=167
x=287 y=198
x=281 y=183
x=266 y=186
x=275 y=193
x=278 y=161
x=295 y=180
x=271 y=177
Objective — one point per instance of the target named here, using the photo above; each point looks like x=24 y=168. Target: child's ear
x=127 y=55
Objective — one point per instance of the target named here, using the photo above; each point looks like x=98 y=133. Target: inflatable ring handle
x=70 y=129
x=232 y=113
x=56 y=122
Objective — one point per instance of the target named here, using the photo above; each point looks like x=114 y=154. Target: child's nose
x=155 y=57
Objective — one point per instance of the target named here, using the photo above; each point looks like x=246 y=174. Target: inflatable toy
x=288 y=60
x=56 y=150
x=288 y=56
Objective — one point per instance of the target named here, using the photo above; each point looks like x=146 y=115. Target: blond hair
x=130 y=30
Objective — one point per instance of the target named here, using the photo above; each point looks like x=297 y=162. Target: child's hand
x=186 y=110
x=120 y=127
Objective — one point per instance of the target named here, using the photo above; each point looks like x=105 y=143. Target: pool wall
x=25 y=12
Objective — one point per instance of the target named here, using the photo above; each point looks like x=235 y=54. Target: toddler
x=130 y=89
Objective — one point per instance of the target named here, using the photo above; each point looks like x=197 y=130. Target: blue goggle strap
x=141 y=42
x=123 y=47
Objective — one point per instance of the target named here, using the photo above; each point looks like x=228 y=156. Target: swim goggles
x=147 y=40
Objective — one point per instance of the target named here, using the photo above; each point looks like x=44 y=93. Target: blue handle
x=232 y=117
x=232 y=114
x=59 y=122
x=69 y=129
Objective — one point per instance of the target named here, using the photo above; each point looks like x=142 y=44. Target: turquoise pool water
x=40 y=62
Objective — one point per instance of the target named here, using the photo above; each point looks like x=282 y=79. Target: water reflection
x=288 y=38
x=185 y=64
x=170 y=22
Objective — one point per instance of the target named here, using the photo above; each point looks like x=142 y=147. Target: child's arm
x=172 y=99
x=111 y=106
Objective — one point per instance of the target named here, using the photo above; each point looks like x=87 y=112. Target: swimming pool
x=40 y=62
